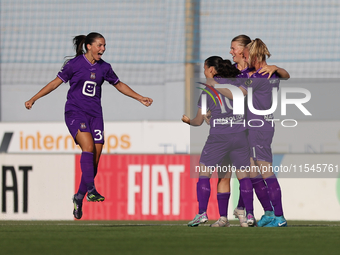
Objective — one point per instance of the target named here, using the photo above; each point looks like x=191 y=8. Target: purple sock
x=87 y=168
x=246 y=188
x=274 y=192
x=240 y=204
x=262 y=192
x=82 y=186
x=203 y=193
x=82 y=189
x=223 y=200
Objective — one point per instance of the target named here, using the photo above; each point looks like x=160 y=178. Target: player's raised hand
x=146 y=101
x=186 y=119
x=29 y=104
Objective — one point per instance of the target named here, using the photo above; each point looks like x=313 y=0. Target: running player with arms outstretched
x=86 y=73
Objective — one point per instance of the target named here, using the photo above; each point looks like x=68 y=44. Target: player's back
x=222 y=120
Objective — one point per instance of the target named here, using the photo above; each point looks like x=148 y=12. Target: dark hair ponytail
x=224 y=68
x=81 y=41
x=78 y=43
x=227 y=70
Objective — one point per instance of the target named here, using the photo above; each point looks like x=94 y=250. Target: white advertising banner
x=120 y=137
x=36 y=187
x=40 y=187
x=308 y=137
x=309 y=184
x=305 y=137
x=310 y=199
x=302 y=199
x=168 y=137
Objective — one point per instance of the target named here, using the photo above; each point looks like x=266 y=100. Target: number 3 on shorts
x=98 y=135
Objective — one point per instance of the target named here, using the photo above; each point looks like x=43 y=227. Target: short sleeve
x=199 y=103
x=66 y=72
x=111 y=77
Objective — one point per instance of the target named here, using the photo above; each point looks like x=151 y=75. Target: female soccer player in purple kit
x=237 y=46
x=86 y=73
x=224 y=140
x=261 y=131
x=236 y=50
x=260 y=138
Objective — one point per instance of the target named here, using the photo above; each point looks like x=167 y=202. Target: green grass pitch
x=153 y=237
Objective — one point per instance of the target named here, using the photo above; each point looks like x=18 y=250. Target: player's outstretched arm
x=197 y=121
x=44 y=91
x=126 y=90
x=270 y=69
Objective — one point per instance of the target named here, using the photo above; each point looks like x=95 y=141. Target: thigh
x=85 y=141
x=265 y=168
x=204 y=171
x=226 y=168
x=254 y=169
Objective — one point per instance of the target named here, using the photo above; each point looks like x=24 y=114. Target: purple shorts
x=218 y=146
x=260 y=145
x=79 y=121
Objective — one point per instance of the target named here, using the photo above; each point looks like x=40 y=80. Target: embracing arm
x=44 y=91
x=244 y=91
x=283 y=73
x=224 y=91
x=126 y=90
x=272 y=69
x=197 y=121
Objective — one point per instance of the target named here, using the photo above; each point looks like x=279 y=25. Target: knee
x=224 y=182
x=87 y=148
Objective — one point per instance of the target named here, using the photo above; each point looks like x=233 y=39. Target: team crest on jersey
x=82 y=125
x=248 y=82
x=93 y=76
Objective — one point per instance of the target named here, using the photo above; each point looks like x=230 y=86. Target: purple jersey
x=262 y=99
x=86 y=80
x=244 y=72
x=231 y=81
x=222 y=113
